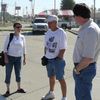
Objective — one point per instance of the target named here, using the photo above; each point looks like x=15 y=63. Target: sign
x=17 y=8
x=4 y=7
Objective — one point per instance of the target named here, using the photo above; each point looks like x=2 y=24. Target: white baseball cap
x=52 y=18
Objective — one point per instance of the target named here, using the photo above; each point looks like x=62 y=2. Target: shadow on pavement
x=3 y=97
x=33 y=33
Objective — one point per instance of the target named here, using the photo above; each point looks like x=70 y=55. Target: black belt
x=54 y=58
x=75 y=64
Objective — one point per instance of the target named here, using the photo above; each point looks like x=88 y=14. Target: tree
x=67 y=4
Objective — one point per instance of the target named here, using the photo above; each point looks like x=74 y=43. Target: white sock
x=51 y=92
x=65 y=98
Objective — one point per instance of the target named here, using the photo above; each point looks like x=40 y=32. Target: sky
x=39 y=5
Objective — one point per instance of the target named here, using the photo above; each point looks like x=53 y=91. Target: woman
x=13 y=57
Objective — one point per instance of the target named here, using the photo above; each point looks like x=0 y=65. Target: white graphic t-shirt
x=54 y=42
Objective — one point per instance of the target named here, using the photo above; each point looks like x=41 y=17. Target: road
x=25 y=27
x=34 y=76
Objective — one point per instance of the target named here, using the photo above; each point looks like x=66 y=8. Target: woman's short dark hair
x=15 y=24
x=82 y=10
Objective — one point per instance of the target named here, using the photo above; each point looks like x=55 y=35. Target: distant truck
x=39 y=24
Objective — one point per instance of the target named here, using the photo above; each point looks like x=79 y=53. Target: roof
x=59 y=13
x=65 y=13
x=42 y=14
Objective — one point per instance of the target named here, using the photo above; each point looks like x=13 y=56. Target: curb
x=73 y=32
x=13 y=30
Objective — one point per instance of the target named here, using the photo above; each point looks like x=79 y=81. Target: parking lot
x=34 y=76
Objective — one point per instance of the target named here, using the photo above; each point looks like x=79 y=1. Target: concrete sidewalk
x=34 y=75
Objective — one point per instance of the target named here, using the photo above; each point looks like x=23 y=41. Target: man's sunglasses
x=18 y=27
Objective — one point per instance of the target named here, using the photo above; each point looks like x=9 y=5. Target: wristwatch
x=75 y=70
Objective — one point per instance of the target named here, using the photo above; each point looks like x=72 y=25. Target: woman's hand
x=6 y=58
x=24 y=62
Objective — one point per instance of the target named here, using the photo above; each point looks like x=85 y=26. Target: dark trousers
x=83 y=82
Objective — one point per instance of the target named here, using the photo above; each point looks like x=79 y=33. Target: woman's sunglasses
x=18 y=27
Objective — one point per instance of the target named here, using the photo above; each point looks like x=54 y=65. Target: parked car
x=64 y=24
x=39 y=24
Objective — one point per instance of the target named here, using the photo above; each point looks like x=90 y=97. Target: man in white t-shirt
x=55 y=46
x=86 y=51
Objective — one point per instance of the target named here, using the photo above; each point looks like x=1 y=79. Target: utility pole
x=54 y=4
x=3 y=11
x=2 y=18
x=15 y=9
x=32 y=9
x=26 y=12
x=55 y=10
x=94 y=11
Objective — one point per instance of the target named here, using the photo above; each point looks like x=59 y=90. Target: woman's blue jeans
x=16 y=63
x=83 y=82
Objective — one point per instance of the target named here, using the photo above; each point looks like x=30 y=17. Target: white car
x=39 y=24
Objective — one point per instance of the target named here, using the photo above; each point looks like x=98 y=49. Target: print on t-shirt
x=51 y=45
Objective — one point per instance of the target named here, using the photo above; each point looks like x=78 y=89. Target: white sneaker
x=49 y=95
x=64 y=98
